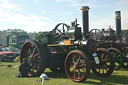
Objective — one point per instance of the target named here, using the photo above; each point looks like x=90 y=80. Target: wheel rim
x=106 y=66
x=76 y=67
x=31 y=52
x=118 y=57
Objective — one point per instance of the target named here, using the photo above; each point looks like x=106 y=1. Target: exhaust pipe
x=118 y=22
x=85 y=20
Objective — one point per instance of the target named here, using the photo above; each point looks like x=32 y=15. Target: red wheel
x=36 y=55
x=77 y=66
x=106 y=65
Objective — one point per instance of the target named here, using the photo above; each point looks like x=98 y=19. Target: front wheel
x=77 y=66
x=106 y=65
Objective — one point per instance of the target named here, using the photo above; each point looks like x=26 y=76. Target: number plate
x=96 y=60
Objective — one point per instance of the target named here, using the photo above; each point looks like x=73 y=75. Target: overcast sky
x=43 y=15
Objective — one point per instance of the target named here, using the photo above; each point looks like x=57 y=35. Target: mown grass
x=8 y=77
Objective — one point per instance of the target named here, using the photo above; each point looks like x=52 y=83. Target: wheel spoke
x=78 y=61
x=83 y=69
x=95 y=31
x=105 y=68
x=74 y=73
x=36 y=54
x=29 y=51
x=34 y=50
x=73 y=58
x=63 y=28
x=82 y=66
x=35 y=67
x=102 y=56
x=115 y=54
x=58 y=30
x=78 y=73
x=73 y=68
x=81 y=73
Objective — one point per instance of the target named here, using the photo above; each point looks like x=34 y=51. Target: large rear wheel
x=77 y=66
x=106 y=65
x=36 y=54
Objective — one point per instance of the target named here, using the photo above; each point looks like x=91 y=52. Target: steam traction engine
x=67 y=49
x=114 y=41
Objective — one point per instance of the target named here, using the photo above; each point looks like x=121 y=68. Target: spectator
x=24 y=68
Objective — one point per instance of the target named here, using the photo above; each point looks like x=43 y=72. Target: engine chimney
x=118 y=22
x=85 y=20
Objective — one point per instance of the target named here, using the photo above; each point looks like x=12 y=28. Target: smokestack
x=118 y=22
x=85 y=20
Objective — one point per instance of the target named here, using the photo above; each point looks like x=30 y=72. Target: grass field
x=8 y=77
